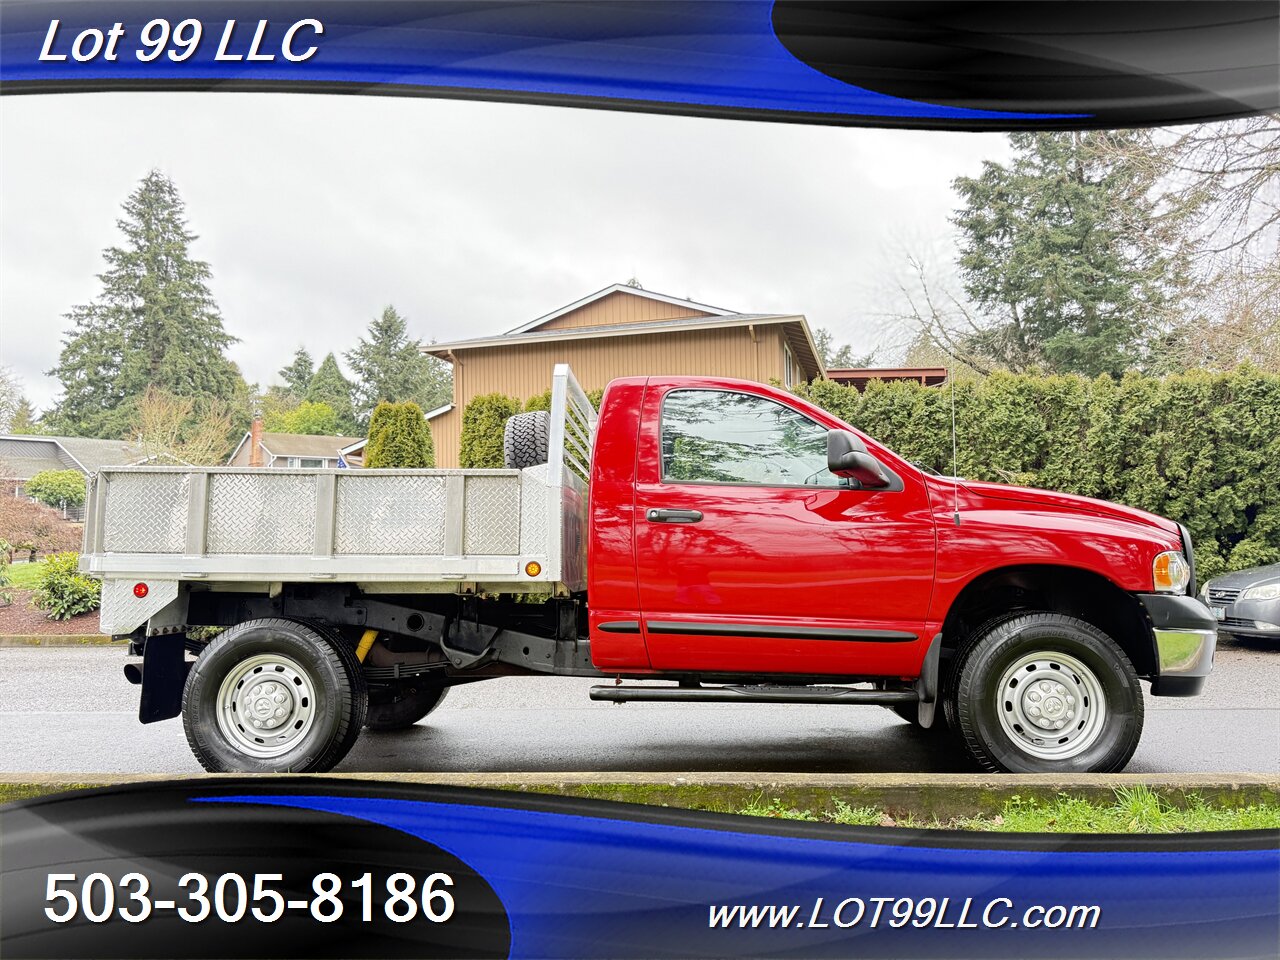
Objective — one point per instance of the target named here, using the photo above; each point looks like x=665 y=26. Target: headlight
x=1171 y=572
x=1267 y=591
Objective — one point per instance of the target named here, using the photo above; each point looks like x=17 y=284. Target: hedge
x=1201 y=448
x=399 y=436
x=486 y=416
x=482 y=423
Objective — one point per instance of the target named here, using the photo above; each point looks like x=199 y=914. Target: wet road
x=71 y=710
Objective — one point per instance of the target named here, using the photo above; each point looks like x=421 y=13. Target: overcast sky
x=472 y=218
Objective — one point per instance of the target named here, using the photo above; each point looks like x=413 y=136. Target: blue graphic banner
x=972 y=66
x=383 y=870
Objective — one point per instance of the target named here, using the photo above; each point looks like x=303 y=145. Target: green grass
x=24 y=576
x=1134 y=810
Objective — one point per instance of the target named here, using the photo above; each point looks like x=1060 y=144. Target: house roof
x=26 y=455
x=803 y=339
x=618 y=288
x=299 y=445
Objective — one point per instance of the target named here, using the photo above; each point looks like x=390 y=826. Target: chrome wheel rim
x=266 y=705
x=1051 y=705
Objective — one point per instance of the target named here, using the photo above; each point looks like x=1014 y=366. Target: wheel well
x=1071 y=591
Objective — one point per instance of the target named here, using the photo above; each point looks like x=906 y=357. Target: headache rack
x=495 y=530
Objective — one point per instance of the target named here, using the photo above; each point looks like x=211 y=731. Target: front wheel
x=1047 y=693
x=274 y=696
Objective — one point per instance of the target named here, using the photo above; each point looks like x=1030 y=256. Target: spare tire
x=525 y=439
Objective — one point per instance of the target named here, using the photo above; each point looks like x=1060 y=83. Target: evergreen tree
x=297 y=375
x=399 y=436
x=483 y=422
x=24 y=419
x=330 y=387
x=391 y=366
x=155 y=323
x=17 y=415
x=1064 y=254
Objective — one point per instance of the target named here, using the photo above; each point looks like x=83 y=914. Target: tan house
x=621 y=331
x=280 y=450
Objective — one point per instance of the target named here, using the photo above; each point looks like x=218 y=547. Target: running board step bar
x=752 y=694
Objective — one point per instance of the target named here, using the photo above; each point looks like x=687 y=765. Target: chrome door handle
x=673 y=516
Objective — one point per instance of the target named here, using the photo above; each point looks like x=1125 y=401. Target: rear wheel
x=274 y=696
x=403 y=705
x=1046 y=693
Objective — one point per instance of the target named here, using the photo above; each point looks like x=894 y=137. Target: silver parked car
x=1246 y=603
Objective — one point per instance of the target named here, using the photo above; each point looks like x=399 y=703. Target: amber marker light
x=532 y=568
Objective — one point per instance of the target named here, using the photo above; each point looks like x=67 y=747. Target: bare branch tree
x=172 y=429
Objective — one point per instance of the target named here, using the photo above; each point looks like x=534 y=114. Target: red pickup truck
x=698 y=540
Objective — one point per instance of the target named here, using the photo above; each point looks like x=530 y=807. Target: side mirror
x=847 y=457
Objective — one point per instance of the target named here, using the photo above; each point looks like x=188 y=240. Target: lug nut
x=1034 y=711
x=278 y=698
x=1045 y=686
x=257 y=690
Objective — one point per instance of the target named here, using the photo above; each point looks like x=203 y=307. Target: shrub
x=62 y=590
x=34 y=528
x=482 y=425
x=53 y=488
x=399 y=436
x=1198 y=447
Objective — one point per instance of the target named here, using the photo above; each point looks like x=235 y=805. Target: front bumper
x=1251 y=618
x=1186 y=635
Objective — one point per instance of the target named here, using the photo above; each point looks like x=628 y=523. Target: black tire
x=525 y=440
x=318 y=662
x=1104 y=739
x=403 y=705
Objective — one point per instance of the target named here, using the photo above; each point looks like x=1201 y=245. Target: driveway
x=71 y=710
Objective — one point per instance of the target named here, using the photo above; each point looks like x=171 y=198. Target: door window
x=717 y=436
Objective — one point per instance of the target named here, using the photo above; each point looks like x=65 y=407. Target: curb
x=941 y=796
x=57 y=640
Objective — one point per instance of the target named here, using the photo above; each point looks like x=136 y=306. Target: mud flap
x=927 y=684
x=164 y=673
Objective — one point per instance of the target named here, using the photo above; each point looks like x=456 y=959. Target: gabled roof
x=622 y=330
x=618 y=288
x=299 y=445
x=30 y=454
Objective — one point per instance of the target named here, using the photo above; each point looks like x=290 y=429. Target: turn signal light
x=1171 y=572
x=140 y=590
x=532 y=568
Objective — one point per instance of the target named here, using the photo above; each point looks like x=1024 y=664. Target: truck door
x=752 y=557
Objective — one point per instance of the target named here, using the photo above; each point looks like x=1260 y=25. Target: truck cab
x=726 y=539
